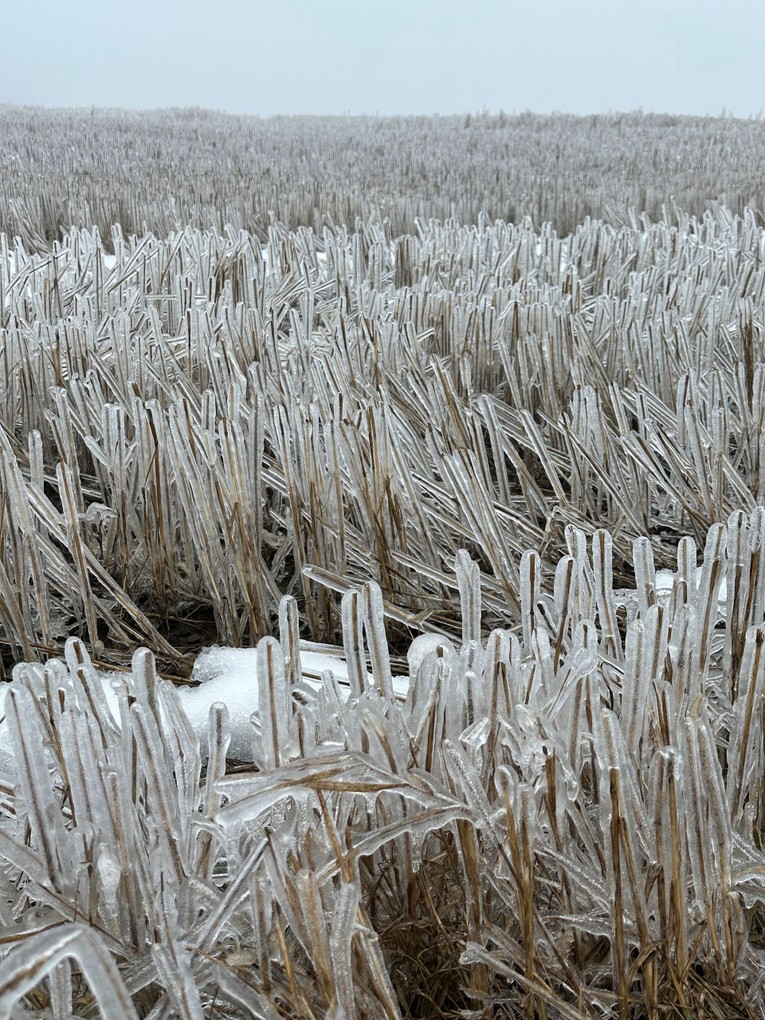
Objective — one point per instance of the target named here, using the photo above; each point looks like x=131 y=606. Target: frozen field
x=382 y=585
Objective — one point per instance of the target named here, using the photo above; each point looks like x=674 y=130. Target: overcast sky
x=388 y=56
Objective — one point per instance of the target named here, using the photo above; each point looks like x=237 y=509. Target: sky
x=389 y=56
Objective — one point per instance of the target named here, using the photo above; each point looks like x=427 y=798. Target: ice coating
x=230 y=676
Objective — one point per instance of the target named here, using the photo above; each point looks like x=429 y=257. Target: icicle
x=757 y=562
x=85 y=681
x=643 y=663
x=289 y=638
x=576 y=541
x=745 y=756
x=645 y=574
x=39 y=798
x=374 y=625
x=341 y=947
x=602 y=556
x=705 y=602
x=469 y=584
x=274 y=709
x=353 y=622
x=563 y=598
x=734 y=592
x=531 y=584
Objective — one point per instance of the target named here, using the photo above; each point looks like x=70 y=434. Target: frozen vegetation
x=163 y=170
x=382 y=570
